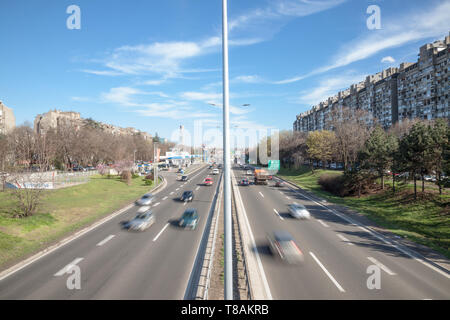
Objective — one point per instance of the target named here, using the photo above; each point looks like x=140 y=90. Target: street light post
x=155 y=167
x=228 y=266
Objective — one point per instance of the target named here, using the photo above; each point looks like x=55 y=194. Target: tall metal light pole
x=155 y=167
x=228 y=272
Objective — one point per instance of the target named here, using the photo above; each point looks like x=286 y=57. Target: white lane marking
x=184 y=203
x=177 y=189
x=156 y=204
x=323 y=223
x=105 y=240
x=164 y=198
x=197 y=188
x=157 y=236
x=327 y=273
x=354 y=223
x=171 y=192
x=381 y=266
x=287 y=198
x=261 y=194
x=68 y=267
x=278 y=214
x=344 y=239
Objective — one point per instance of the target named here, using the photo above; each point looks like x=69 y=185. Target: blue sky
x=155 y=65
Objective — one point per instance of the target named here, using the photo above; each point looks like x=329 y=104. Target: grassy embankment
x=426 y=220
x=62 y=211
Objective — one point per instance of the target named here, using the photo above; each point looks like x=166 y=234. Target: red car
x=244 y=182
x=208 y=182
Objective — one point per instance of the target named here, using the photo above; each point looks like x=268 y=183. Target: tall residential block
x=7 y=119
x=414 y=90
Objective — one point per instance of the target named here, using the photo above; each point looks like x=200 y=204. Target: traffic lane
x=413 y=275
x=347 y=264
x=163 y=268
x=115 y=272
x=36 y=275
x=285 y=281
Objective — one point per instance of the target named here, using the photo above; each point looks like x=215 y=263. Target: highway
x=337 y=253
x=119 y=264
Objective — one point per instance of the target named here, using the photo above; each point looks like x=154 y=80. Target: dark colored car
x=78 y=168
x=187 y=196
x=279 y=184
x=244 y=182
x=282 y=245
x=184 y=178
x=189 y=219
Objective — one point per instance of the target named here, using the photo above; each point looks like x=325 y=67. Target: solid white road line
x=327 y=273
x=375 y=234
x=344 y=239
x=278 y=214
x=105 y=240
x=323 y=223
x=156 y=204
x=157 y=236
x=261 y=194
x=68 y=267
x=381 y=266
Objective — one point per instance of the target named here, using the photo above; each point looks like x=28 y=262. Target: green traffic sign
x=274 y=165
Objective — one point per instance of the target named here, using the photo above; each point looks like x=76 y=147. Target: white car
x=298 y=211
x=215 y=171
x=249 y=172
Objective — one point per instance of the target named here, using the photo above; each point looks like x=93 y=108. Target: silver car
x=142 y=221
x=298 y=211
x=146 y=200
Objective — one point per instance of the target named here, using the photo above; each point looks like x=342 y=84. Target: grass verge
x=425 y=220
x=61 y=212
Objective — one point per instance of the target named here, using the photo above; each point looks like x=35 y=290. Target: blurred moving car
x=180 y=171
x=145 y=200
x=298 y=211
x=249 y=172
x=219 y=166
x=215 y=171
x=279 y=184
x=184 y=178
x=143 y=220
x=187 y=196
x=244 y=182
x=208 y=182
x=189 y=219
x=282 y=245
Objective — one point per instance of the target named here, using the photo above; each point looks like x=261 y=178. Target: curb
x=19 y=266
x=193 y=284
x=399 y=245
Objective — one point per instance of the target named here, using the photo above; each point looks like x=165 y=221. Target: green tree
x=415 y=152
x=378 y=152
x=439 y=149
x=320 y=146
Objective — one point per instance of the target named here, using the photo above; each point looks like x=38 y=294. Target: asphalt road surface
x=119 y=264
x=337 y=253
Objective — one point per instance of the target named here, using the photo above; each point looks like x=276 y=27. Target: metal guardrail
x=244 y=259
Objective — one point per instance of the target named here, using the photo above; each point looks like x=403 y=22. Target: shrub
x=134 y=176
x=148 y=182
x=335 y=184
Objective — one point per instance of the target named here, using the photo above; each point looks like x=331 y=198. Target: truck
x=261 y=176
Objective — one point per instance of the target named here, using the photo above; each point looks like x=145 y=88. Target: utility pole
x=228 y=264
x=155 y=167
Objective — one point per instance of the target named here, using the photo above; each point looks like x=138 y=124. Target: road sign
x=274 y=165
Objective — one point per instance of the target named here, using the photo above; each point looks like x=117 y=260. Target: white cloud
x=328 y=87
x=102 y=72
x=201 y=96
x=400 y=31
x=248 y=79
x=388 y=59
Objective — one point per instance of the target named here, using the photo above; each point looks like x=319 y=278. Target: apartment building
x=56 y=118
x=414 y=90
x=7 y=119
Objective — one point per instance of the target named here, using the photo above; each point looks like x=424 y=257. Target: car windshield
x=298 y=207
x=143 y=215
x=282 y=236
x=147 y=196
x=190 y=214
